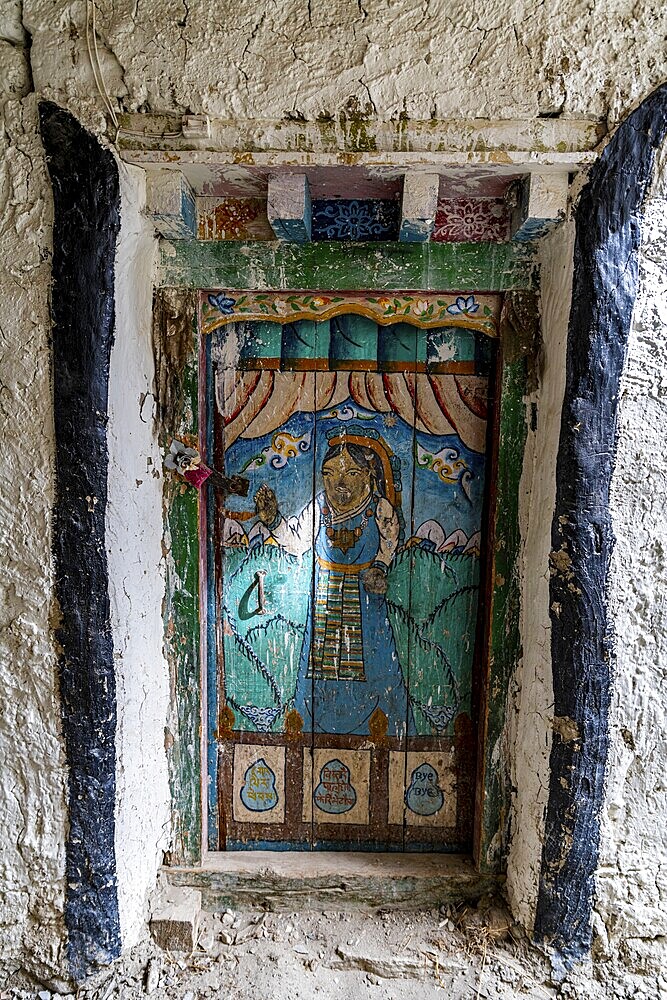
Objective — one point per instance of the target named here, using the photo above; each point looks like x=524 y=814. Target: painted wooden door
x=344 y=590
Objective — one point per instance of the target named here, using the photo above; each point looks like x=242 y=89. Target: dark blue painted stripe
x=603 y=295
x=86 y=222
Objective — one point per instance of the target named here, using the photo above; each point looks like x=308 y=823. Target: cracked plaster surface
x=421 y=58
x=631 y=906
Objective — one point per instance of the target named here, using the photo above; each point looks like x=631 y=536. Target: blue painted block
x=170 y=203
x=289 y=208
x=542 y=206
x=415 y=230
x=420 y=203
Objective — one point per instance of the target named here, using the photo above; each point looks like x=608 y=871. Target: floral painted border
x=422 y=309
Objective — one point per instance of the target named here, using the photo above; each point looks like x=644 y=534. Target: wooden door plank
x=331 y=768
x=264 y=588
x=361 y=707
x=450 y=490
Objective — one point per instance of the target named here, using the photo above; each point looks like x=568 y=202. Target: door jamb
x=502 y=590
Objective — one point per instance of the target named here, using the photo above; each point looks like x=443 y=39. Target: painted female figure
x=349 y=666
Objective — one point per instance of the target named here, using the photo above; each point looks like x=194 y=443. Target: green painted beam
x=181 y=611
x=504 y=641
x=482 y=267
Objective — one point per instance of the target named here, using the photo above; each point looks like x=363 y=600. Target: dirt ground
x=456 y=953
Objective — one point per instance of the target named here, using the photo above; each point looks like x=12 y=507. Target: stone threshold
x=292 y=880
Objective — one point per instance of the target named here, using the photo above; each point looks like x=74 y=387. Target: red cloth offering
x=197 y=477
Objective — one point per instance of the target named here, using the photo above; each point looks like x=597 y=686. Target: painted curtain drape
x=256 y=402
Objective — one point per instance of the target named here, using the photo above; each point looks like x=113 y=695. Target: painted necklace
x=345 y=538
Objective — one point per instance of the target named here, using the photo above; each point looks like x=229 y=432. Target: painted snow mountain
x=433 y=533
x=430 y=534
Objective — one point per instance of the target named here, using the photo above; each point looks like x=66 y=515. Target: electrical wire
x=98 y=73
x=94 y=62
x=112 y=112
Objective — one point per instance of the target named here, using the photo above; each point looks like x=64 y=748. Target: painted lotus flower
x=463 y=306
x=471 y=220
x=421 y=307
x=223 y=303
x=355 y=219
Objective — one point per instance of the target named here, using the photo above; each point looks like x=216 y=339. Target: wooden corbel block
x=420 y=202
x=288 y=207
x=170 y=203
x=539 y=205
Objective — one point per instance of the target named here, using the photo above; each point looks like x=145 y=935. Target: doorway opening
x=345 y=594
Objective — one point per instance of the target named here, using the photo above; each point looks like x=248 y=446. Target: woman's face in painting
x=345 y=483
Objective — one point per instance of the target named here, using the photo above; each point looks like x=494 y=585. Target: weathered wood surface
x=485 y=267
x=502 y=604
x=174 y=347
x=267 y=880
x=182 y=638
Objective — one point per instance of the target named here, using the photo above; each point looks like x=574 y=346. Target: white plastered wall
x=631 y=907
x=33 y=784
x=136 y=569
x=32 y=770
x=530 y=716
x=445 y=59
